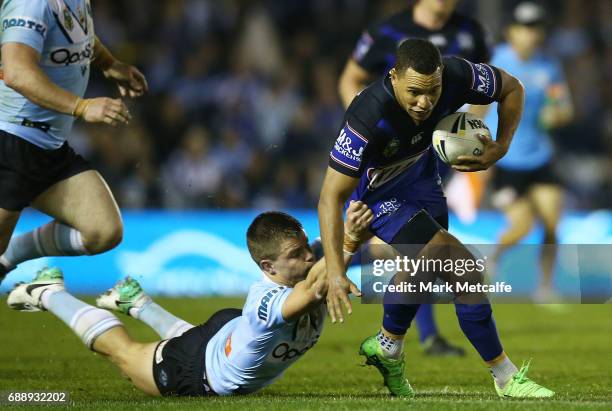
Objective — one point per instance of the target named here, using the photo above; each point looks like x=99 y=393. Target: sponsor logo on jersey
x=71 y=55
x=285 y=352
x=483 y=79
x=349 y=147
x=26 y=23
x=379 y=176
x=388 y=207
x=262 y=311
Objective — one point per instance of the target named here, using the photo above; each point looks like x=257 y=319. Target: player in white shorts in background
x=48 y=47
x=234 y=352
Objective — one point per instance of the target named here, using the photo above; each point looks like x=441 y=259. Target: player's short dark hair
x=267 y=231
x=420 y=55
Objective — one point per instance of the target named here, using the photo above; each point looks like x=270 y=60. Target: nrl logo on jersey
x=392 y=147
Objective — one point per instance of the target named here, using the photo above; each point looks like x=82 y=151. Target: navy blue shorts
x=26 y=170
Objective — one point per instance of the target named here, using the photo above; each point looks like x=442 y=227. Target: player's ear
x=393 y=74
x=267 y=267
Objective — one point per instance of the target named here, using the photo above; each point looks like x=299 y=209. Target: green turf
x=571 y=353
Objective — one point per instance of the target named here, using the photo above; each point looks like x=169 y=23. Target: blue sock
x=397 y=317
x=476 y=321
x=425 y=322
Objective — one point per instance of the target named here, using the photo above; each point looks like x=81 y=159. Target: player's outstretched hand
x=130 y=81
x=103 y=110
x=338 y=289
x=493 y=151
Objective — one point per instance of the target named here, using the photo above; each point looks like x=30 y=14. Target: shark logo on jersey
x=68 y=20
x=417 y=138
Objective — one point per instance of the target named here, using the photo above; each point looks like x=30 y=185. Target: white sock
x=503 y=371
x=164 y=323
x=51 y=239
x=392 y=348
x=86 y=321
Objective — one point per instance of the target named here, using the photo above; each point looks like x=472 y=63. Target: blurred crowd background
x=243 y=104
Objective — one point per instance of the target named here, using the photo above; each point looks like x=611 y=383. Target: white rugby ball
x=456 y=135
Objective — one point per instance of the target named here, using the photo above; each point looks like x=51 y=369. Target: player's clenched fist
x=102 y=110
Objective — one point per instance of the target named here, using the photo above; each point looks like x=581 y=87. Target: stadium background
x=242 y=111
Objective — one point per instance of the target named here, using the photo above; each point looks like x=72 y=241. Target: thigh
x=82 y=201
x=8 y=220
x=547 y=201
x=139 y=367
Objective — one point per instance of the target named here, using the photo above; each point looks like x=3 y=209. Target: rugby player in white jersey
x=234 y=352
x=48 y=47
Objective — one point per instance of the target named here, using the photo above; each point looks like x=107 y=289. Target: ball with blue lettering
x=457 y=135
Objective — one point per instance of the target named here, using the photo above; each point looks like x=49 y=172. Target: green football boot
x=27 y=296
x=392 y=370
x=126 y=295
x=522 y=387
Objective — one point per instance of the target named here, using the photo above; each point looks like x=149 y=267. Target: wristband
x=80 y=107
x=351 y=243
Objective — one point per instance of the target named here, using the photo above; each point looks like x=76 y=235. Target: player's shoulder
x=261 y=299
x=368 y=107
x=401 y=21
x=24 y=7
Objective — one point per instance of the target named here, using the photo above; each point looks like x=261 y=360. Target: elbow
x=11 y=78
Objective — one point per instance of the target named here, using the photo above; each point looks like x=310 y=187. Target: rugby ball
x=456 y=135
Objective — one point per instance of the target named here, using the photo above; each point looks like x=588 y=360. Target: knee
x=103 y=238
x=473 y=312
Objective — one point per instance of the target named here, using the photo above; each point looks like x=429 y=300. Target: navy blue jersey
x=461 y=36
x=380 y=144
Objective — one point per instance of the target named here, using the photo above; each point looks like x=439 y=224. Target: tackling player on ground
x=374 y=55
x=383 y=157
x=234 y=352
x=48 y=48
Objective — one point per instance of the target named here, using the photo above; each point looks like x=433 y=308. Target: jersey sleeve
x=350 y=149
x=480 y=82
x=267 y=312
x=25 y=21
x=370 y=52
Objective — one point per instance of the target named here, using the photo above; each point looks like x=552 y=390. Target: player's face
x=439 y=6
x=294 y=261
x=525 y=39
x=417 y=93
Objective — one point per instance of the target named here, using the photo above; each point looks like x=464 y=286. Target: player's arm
x=510 y=100
x=130 y=81
x=309 y=293
x=22 y=73
x=353 y=79
x=337 y=188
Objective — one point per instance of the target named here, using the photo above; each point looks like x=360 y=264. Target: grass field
x=571 y=352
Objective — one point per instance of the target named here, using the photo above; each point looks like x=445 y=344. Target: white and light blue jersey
x=531 y=146
x=62 y=32
x=253 y=350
